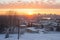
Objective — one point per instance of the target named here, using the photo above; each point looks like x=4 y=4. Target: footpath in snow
x=33 y=36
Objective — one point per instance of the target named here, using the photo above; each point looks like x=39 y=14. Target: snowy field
x=33 y=36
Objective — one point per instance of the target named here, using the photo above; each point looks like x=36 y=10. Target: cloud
x=55 y=4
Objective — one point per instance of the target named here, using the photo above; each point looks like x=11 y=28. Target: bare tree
x=11 y=22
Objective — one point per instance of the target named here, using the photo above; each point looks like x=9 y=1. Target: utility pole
x=18 y=32
x=18 y=28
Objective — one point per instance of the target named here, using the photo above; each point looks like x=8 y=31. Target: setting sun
x=30 y=13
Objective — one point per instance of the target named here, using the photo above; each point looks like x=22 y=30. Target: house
x=48 y=24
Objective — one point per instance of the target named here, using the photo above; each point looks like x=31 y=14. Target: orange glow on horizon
x=30 y=11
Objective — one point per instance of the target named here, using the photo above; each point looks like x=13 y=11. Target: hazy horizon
x=31 y=11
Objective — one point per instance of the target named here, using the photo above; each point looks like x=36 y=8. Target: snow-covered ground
x=33 y=36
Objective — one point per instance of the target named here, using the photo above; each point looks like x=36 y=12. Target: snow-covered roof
x=32 y=28
x=36 y=24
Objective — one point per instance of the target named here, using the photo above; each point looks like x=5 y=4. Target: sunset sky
x=31 y=6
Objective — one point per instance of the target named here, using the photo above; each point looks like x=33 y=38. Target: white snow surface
x=33 y=36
